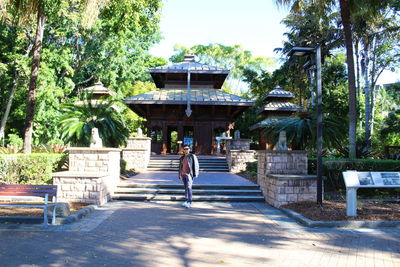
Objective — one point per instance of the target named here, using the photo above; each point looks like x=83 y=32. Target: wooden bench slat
x=26 y=194
x=27 y=190
x=27 y=186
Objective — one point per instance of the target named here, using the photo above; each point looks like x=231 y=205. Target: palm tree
x=301 y=130
x=79 y=119
x=345 y=14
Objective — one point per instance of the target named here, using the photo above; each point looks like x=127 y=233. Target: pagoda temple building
x=277 y=104
x=189 y=108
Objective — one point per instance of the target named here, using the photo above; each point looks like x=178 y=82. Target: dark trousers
x=188 y=182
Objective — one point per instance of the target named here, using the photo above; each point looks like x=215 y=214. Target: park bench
x=44 y=196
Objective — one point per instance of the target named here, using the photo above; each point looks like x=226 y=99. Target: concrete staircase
x=207 y=164
x=176 y=192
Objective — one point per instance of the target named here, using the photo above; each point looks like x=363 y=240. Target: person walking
x=188 y=170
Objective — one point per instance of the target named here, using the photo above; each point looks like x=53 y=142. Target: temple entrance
x=188 y=136
x=172 y=143
x=203 y=139
x=156 y=136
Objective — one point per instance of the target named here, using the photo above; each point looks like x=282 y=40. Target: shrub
x=333 y=168
x=251 y=168
x=29 y=168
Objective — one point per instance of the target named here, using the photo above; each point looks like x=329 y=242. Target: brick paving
x=165 y=234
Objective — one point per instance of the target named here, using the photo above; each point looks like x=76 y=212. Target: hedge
x=35 y=168
x=333 y=168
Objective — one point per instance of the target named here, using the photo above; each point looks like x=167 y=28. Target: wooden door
x=203 y=139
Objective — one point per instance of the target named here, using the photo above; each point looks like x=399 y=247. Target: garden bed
x=336 y=211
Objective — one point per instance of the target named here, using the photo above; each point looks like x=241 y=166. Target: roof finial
x=188 y=57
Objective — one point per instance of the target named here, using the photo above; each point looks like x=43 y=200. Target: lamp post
x=303 y=51
x=188 y=110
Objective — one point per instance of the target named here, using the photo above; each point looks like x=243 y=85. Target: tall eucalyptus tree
x=34 y=11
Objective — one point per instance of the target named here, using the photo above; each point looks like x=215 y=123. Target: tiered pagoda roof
x=277 y=105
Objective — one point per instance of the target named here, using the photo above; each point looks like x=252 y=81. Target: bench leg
x=53 y=221
x=45 y=220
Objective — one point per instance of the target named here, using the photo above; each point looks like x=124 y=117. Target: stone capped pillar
x=282 y=176
x=92 y=176
x=238 y=153
x=137 y=153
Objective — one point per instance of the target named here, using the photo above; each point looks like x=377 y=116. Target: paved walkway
x=166 y=234
x=204 y=178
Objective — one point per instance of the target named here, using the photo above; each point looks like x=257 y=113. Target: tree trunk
x=367 y=92
x=345 y=14
x=31 y=101
x=8 y=106
x=357 y=68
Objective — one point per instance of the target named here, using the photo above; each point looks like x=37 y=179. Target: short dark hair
x=186 y=146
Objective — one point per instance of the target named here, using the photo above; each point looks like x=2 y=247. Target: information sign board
x=371 y=179
x=355 y=180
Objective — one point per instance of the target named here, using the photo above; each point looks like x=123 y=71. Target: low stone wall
x=92 y=176
x=137 y=153
x=237 y=159
x=282 y=176
x=279 y=189
x=91 y=188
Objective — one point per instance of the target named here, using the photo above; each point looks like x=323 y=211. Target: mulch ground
x=336 y=211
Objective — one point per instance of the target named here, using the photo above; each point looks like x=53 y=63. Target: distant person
x=188 y=170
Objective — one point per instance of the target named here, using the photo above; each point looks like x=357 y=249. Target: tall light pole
x=188 y=110
x=304 y=51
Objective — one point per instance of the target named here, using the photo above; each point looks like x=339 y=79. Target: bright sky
x=254 y=24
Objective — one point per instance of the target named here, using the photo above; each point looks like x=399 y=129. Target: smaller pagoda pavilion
x=189 y=108
x=277 y=105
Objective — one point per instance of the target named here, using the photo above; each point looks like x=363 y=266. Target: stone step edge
x=182 y=197
x=195 y=186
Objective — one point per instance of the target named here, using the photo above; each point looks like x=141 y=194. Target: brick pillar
x=137 y=153
x=238 y=153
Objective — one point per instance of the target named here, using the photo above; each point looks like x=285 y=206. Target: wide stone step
x=214 y=198
x=201 y=169
x=177 y=163
x=182 y=191
x=195 y=186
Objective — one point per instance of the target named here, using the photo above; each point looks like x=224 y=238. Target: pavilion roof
x=279 y=93
x=203 y=96
x=98 y=89
x=280 y=106
x=183 y=67
x=178 y=72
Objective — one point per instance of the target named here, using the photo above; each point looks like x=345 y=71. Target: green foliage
x=79 y=119
x=78 y=50
x=251 y=168
x=33 y=168
x=301 y=131
x=390 y=131
x=333 y=168
x=15 y=140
